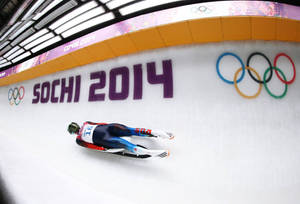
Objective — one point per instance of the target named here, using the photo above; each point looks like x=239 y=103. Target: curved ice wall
x=226 y=147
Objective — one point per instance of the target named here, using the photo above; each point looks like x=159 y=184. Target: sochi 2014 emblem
x=15 y=95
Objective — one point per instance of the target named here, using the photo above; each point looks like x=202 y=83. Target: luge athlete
x=102 y=136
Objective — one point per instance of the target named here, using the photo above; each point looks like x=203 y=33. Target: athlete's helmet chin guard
x=73 y=128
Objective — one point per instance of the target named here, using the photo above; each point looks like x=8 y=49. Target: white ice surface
x=227 y=149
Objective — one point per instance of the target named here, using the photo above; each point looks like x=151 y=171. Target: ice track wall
x=227 y=149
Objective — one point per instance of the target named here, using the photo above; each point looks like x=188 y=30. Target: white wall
x=227 y=149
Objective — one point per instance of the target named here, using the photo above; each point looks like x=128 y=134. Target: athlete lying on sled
x=108 y=138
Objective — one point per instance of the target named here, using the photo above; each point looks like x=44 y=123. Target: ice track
x=227 y=149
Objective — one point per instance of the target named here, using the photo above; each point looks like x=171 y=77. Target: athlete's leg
x=117 y=142
x=118 y=130
x=122 y=130
x=143 y=132
x=113 y=137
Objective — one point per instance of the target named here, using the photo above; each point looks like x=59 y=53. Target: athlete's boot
x=162 y=134
x=155 y=153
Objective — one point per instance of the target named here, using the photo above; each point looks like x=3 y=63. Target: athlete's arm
x=82 y=143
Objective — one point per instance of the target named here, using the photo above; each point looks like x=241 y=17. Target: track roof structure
x=31 y=27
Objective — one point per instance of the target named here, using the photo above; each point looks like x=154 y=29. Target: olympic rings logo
x=264 y=82
x=16 y=95
x=201 y=9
